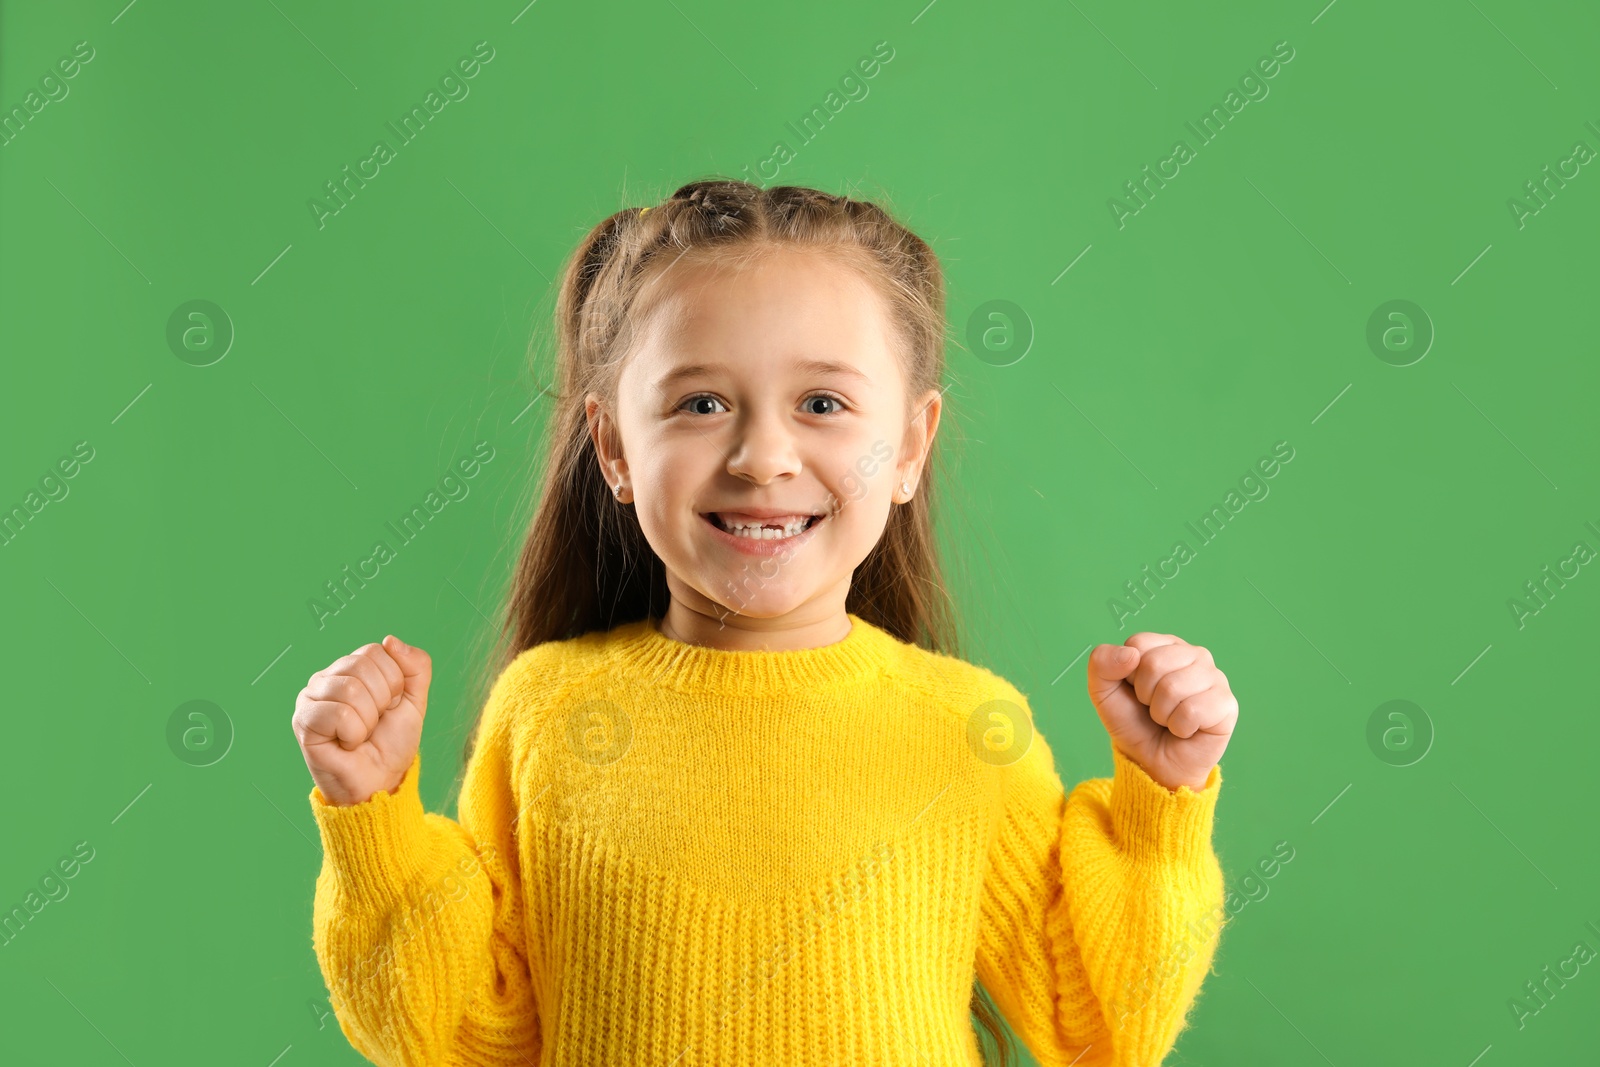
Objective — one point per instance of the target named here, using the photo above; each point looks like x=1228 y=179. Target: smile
x=767 y=539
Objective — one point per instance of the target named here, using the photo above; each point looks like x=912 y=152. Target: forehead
x=782 y=309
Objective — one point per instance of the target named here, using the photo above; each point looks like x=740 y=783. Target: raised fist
x=359 y=719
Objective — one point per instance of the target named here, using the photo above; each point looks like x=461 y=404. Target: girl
x=730 y=799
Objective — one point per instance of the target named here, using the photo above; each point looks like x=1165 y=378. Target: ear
x=919 y=435
x=607 y=441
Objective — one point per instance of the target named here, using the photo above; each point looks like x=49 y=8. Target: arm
x=417 y=921
x=1100 y=911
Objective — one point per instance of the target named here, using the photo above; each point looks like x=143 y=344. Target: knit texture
x=675 y=855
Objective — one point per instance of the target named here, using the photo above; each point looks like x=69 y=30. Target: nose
x=763 y=450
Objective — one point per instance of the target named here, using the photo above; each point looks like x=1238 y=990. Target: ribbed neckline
x=648 y=655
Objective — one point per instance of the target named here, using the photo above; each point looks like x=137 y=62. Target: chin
x=756 y=604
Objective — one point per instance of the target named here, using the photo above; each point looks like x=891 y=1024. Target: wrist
x=1170 y=785
x=336 y=797
x=1197 y=784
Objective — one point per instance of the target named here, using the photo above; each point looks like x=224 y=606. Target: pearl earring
x=617 y=490
x=905 y=487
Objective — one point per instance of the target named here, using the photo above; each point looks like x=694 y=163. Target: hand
x=359 y=719
x=1165 y=704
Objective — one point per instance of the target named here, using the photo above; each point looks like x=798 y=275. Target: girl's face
x=767 y=392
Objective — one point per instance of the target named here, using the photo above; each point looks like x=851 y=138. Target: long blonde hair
x=585 y=564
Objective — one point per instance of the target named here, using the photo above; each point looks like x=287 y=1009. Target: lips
x=760 y=546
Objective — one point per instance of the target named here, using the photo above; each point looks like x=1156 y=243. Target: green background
x=1229 y=314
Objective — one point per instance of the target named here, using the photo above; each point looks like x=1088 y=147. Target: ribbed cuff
x=1154 y=824
x=373 y=850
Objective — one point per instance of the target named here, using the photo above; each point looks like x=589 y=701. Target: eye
x=823 y=396
x=707 y=398
x=701 y=398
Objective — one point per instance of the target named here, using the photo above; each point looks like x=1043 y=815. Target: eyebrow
x=809 y=366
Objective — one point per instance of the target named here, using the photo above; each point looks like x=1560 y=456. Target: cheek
x=863 y=513
x=669 y=478
x=663 y=516
x=859 y=474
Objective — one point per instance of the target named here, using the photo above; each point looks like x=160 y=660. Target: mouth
x=760 y=536
x=748 y=528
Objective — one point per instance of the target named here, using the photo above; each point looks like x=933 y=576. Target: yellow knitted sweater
x=674 y=855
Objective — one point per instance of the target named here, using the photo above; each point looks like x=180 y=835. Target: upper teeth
x=759 y=531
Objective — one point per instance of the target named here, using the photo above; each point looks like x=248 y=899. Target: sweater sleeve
x=1101 y=911
x=417 y=921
